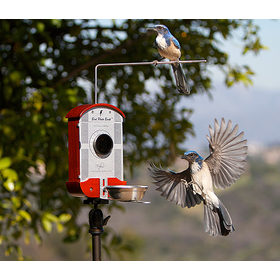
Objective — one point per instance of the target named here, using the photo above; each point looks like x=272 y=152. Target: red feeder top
x=78 y=111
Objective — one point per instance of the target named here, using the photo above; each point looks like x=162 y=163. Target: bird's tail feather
x=217 y=221
x=181 y=81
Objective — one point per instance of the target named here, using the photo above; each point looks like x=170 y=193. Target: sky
x=255 y=108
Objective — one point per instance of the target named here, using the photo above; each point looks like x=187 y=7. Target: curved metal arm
x=155 y=62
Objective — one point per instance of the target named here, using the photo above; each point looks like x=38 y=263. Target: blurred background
x=47 y=69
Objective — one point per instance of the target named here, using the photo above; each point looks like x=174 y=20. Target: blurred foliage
x=42 y=64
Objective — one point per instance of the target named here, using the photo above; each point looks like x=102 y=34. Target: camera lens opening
x=103 y=145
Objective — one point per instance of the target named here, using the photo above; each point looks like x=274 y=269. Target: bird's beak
x=187 y=158
x=151 y=29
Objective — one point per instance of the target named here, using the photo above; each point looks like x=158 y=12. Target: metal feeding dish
x=126 y=193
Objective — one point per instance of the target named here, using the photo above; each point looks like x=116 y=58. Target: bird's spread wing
x=172 y=187
x=228 y=154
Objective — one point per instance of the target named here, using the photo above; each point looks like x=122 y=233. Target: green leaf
x=47 y=220
x=65 y=217
x=47 y=225
x=25 y=215
x=40 y=27
x=26 y=237
x=9 y=132
x=18 y=186
x=2 y=238
x=19 y=253
x=10 y=174
x=38 y=238
x=26 y=202
x=5 y=162
x=16 y=201
x=56 y=22
x=51 y=217
x=8 y=251
x=15 y=76
x=37 y=100
x=59 y=227
x=9 y=185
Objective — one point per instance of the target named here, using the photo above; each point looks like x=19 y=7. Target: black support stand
x=96 y=223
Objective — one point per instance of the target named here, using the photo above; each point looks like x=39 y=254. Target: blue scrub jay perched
x=169 y=47
x=221 y=168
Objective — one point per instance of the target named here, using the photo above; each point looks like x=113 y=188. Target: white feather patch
x=161 y=43
x=195 y=167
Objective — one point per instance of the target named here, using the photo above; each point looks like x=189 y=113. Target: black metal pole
x=96 y=229
x=96 y=223
x=96 y=247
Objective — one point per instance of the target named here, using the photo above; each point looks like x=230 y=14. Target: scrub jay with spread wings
x=169 y=47
x=221 y=168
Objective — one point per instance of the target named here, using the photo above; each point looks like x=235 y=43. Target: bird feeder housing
x=95 y=147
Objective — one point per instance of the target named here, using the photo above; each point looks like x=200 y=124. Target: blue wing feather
x=176 y=43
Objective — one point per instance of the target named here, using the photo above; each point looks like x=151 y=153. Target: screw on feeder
x=155 y=63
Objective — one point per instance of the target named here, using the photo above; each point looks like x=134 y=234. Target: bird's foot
x=196 y=188
x=188 y=184
x=155 y=62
